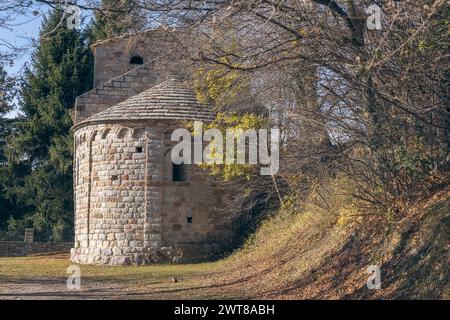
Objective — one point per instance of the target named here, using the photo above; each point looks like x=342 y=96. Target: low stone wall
x=18 y=248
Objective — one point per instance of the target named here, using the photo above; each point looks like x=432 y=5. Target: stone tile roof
x=170 y=100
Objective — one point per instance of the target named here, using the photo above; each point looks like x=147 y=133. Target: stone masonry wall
x=115 y=79
x=163 y=47
x=128 y=210
x=200 y=198
x=114 y=91
x=20 y=248
x=110 y=194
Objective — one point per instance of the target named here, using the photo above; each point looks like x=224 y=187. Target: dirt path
x=44 y=277
x=43 y=288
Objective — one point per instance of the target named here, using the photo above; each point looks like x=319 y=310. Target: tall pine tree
x=116 y=17
x=61 y=69
x=6 y=97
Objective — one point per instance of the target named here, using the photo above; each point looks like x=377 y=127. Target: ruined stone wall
x=128 y=209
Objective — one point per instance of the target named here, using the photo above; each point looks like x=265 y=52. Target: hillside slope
x=315 y=256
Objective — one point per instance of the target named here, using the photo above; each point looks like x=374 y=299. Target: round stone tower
x=132 y=204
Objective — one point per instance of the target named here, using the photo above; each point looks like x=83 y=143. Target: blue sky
x=21 y=36
x=21 y=31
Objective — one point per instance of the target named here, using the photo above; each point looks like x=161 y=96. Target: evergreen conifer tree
x=61 y=69
x=116 y=17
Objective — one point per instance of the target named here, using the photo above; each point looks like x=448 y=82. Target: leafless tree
x=371 y=105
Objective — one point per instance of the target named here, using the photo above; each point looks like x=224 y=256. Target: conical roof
x=170 y=100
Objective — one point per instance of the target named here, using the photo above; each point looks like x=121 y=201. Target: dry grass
x=23 y=277
x=315 y=255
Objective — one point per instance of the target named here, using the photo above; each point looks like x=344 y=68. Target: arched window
x=136 y=60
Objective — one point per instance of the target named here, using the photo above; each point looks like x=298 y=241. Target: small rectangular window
x=136 y=60
x=139 y=149
x=178 y=172
x=189 y=219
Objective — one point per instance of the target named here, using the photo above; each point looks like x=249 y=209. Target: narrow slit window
x=136 y=60
x=77 y=166
x=178 y=172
